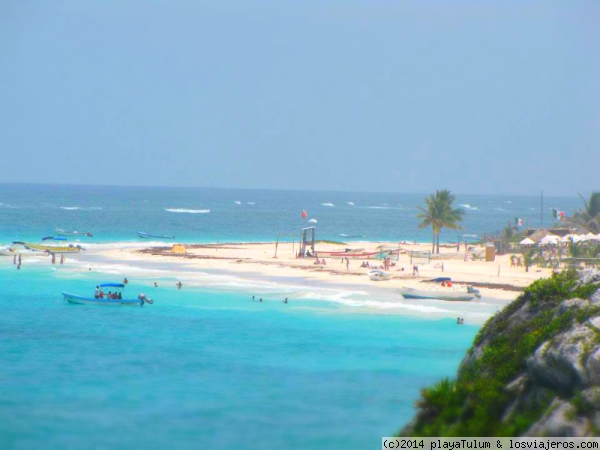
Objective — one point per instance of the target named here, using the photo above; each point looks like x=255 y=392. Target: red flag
x=304 y=214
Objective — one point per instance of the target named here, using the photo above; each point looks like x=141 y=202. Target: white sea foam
x=237 y=202
x=327 y=204
x=351 y=203
x=499 y=209
x=469 y=207
x=312 y=221
x=251 y=203
x=187 y=211
x=80 y=208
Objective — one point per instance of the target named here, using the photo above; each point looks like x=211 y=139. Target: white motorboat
x=443 y=291
x=379 y=275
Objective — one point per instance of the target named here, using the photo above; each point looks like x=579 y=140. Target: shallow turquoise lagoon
x=206 y=369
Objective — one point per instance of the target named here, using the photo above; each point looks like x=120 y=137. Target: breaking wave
x=187 y=211
x=327 y=204
x=80 y=208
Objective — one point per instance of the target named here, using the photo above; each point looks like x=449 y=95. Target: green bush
x=474 y=403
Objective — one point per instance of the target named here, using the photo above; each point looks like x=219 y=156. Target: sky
x=480 y=97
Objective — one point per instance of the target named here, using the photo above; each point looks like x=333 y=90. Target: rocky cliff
x=533 y=369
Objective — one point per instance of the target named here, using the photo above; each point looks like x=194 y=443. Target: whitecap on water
x=327 y=204
x=187 y=211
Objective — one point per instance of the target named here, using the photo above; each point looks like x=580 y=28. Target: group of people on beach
x=321 y=262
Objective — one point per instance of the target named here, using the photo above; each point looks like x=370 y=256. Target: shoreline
x=251 y=268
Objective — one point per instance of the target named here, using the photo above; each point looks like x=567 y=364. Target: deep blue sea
x=205 y=366
x=29 y=212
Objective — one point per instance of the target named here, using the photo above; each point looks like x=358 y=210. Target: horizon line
x=34 y=183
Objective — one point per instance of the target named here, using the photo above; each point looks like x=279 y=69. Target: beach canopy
x=550 y=239
x=526 y=241
x=440 y=280
x=117 y=285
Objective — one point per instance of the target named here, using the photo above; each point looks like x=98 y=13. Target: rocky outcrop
x=534 y=369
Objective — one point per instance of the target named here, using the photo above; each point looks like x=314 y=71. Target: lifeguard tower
x=307 y=243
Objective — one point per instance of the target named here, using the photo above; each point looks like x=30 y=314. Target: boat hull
x=153 y=236
x=416 y=294
x=7 y=251
x=50 y=248
x=80 y=300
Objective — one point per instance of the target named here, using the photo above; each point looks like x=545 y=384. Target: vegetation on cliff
x=515 y=374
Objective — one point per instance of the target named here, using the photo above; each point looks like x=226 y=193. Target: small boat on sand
x=443 y=291
x=59 y=246
x=153 y=236
x=379 y=275
x=116 y=297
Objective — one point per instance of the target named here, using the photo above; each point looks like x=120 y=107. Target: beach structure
x=391 y=252
x=178 y=249
x=420 y=257
x=307 y=242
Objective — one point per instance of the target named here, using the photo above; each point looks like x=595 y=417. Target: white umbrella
x=550 y=239
x=526 y=241
x=567 y=238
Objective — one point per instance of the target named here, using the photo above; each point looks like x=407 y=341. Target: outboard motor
x=144 y=299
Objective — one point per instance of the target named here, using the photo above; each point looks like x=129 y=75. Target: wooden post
x=276 y=245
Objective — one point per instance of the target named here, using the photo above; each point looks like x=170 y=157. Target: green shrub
x=474 y=403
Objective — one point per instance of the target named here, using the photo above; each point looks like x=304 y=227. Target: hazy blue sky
x=476 y=96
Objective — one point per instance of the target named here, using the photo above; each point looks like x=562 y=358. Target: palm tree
x=528 y=259
x=588 y=218
x=438 y=213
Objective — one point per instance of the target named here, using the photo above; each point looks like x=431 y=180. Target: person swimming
x=286 y=300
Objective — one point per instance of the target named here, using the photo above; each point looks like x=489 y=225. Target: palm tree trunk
x=438 y=243
x=433 y=246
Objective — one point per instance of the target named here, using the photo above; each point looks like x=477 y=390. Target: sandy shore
x=494 y=279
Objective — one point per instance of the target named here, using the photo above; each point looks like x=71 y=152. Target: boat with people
x=114 y=297
x=75 y=233
x=441 y=289
x=153 y=236
x=379 y=275
x=58 y=246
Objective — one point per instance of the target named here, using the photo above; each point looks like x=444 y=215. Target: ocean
x=115 y=214
x=205 y=366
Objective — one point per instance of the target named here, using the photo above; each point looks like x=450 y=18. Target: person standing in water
x=125 y=281
x=286 y=300
x=53 y=258
x=62 y=259
x=179 y=284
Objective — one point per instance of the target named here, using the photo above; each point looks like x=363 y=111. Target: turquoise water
x=205 y=368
